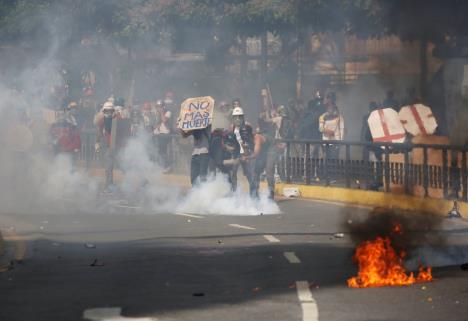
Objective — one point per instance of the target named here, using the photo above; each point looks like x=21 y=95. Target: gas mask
x=238 y=121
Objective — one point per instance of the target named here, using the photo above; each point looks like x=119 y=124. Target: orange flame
x=380 y=265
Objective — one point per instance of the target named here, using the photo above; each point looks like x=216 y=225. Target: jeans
x=109 y=163
x=199 y=168
x=247 y=170
x=162 y=142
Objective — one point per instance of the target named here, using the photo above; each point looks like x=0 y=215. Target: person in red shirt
x=64 y=134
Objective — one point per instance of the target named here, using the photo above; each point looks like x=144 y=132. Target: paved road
x=174 y=267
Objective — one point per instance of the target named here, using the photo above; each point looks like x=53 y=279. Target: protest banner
x=196 y=113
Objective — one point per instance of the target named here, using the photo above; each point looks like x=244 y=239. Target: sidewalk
x=376 y=199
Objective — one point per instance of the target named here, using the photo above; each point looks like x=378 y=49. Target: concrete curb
x=336 y=194
x=375 y=199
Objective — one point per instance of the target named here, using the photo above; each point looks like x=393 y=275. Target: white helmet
x=237 y=112
x=108 y=106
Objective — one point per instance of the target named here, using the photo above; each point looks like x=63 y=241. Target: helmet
x=107 y=106
x=282 y=111
x=237 y=112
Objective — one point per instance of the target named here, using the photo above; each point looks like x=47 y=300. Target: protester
x=162 y=133
x=331 y=125
x=411 y=97
x=372 y=153
x=259 y=159
x=390 y=101
x=308 y=128
x=64 y=134
x=200 y=154
x=244 y=135
x=224 y=153
x=104 y=142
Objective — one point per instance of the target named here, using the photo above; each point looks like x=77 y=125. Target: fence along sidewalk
x=428 y=170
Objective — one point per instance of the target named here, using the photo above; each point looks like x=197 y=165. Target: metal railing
x=427 y=170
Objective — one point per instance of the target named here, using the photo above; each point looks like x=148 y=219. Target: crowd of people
x=230 y=142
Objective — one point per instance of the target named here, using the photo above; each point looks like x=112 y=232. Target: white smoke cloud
x=143 y=180
x=215 y=197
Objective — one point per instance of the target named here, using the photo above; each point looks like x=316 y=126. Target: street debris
x=429 y=299
x=291 y=192
x=198 y=294
x=338 y=235
x=41 y=228
x=423 y=287
x=220 y=242
x=188 y=221
x=455 y=211
x=56 y=244
x=96 y=263
x=90 y=246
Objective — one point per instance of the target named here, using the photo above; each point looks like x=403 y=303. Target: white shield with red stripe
x=418 y=119
x=385 y=126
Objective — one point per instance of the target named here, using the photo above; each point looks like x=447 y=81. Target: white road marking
x=308 y=304
x=271 y=238
x=110 y=314
x=128 y=206
x=189 y=215
x=242 y=226
x=291 y=257
x=303 y=291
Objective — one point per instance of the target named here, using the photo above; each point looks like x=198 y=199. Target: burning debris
x=381 y=265
x=384 y=241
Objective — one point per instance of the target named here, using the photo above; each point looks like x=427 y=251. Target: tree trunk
x=423 y=67
x=264 y=56
x=299 y=71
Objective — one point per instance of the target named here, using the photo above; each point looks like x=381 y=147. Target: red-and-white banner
x=418 y=119
x=385 y=126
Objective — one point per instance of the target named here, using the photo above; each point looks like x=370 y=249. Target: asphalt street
x=130 y=265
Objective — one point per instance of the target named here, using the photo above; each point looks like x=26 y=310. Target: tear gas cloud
x=34 y=181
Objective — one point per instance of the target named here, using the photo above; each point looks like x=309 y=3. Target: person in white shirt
x=331 y=125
